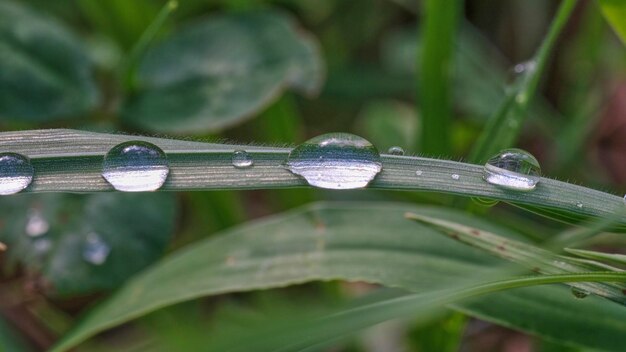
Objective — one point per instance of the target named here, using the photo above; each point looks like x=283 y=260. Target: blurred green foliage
x=421 y=75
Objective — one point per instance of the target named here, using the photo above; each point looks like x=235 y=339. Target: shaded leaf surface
x=49 y=234
x=219 y=71
x=615 y=12
x=372 y=243
x=44 y=70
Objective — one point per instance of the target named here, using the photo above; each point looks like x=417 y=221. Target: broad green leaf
x=44 y=70
x=325 y=242
x=615 y=12
x=82 y=244
x=217 y=72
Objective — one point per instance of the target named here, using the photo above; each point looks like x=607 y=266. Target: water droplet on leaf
x=16 y=173
x=135 y=166
x=335 y=161
x=395 y=150
x=95 y=250
x=514 y=169
x=241 y=159
x=579 y=293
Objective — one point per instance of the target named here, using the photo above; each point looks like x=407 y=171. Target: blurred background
x=277 y=73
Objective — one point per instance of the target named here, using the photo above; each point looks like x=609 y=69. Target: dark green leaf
x=84 y=244
x=44 y=71
x=219 y=71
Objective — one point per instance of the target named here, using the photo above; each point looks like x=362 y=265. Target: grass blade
x=504 y=126
x=71 y=161
x=435 y=97
x=534 y=258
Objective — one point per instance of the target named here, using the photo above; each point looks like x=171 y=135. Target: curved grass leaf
x=71 y=161
x=327 y=242
x=536 y=259
x=84 y=244
x=303 y=334
x=219 y=71
x=44 y=71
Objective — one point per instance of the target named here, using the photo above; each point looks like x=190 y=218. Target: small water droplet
x=95 y=250
x=335 y=161
x=135 y=166
x=455 y=176
x=579 y=205
x=525 y=67
x=36 y=224
x=419 y=172
x=16 y=173
x=242 y=160
x=579 y=293
x=514 y=169
x=395 y=150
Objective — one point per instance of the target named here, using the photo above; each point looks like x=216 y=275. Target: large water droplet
x=242 y=160
x=514 y=169
x=36 y=224
x=579 y=293
x=335 y=161
x=95 y=250
x=16 y=173
x=395 y=150
x=135 y=166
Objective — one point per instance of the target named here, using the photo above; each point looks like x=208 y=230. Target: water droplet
x=514 y=169
x=419 y=172
x=16 y=173
x=395 y=150
x=455 y=176
x=579 y=205
x=36 y=224
x=525 y=67
x=335 y=161
x=579 y=293
x=135 y=166
x=95 y=250
x=241 y=159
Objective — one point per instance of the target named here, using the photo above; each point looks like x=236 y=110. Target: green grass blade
x=435 y=96
x=132 y=62
x=504 y=126
x=609 y=257
x=71 y=161
x=534 y=258
x=615 y=11
x=311 y=333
